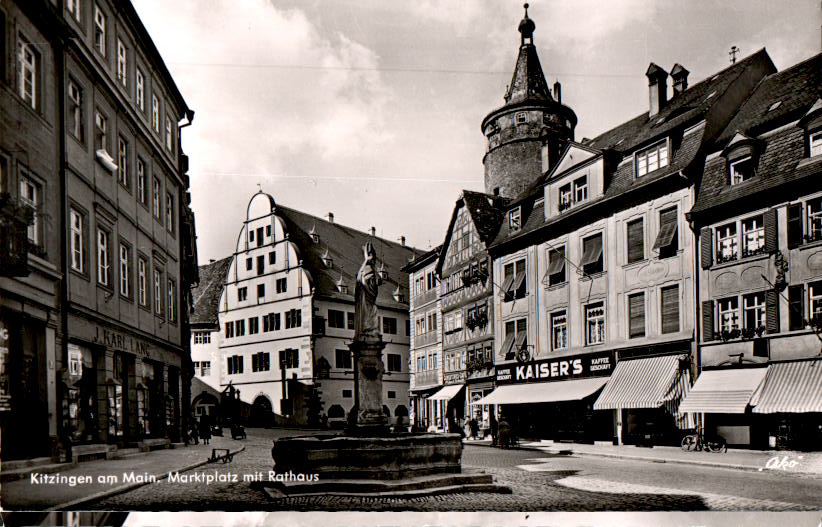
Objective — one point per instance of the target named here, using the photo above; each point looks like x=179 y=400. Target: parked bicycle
x=698 y=441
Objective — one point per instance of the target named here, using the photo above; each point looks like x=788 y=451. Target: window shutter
x=771 y=241
x=794 y=225
x=636 y=310
x=636 y=247
x=796 y=301
x=707 y=320
x=772 y=311
x=670 y=309
x=706 y=247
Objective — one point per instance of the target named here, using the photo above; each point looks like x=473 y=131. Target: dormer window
x=742 y=170
x=816 y=143
x=514 y=217
x=565 y=200
x=652 y=158
x=521 y=118
x=581 y=189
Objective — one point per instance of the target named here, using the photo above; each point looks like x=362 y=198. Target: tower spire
x=528 y=81
x=526 y=27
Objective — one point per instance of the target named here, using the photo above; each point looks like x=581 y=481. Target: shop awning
x=723 y=391
x=544 y=392
x=791 y=387
x=446 y=393
x=641 y=383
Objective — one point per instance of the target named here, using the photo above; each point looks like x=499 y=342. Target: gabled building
x=758 y=213
x=466 y=287
x=595 y=301
x=205 y=324
x=287 y=313
x=425 y=364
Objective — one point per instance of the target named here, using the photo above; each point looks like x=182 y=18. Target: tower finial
x=526 y=27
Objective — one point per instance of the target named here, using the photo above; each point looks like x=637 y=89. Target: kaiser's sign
x=571 y=367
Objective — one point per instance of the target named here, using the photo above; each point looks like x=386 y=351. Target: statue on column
x=366 y=320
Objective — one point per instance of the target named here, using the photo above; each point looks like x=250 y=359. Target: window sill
x=585 y=276
x=809 y=244
x=556 y=287
x=738 y=261
x=637 y=263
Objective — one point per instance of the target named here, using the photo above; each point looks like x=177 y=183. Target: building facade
x=112 y=218
x=757 y=215
x=287 y=313
x=425 y=315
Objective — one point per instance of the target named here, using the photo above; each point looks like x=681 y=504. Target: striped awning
x=791 y=387
x=446 y=393
x=723 y=391
x=544 y=392
x=642 y=383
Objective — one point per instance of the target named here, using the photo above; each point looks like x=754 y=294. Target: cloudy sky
x=372 y=109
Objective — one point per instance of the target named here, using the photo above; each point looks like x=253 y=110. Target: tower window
x=521 y=118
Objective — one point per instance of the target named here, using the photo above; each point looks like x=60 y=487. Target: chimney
x=373 y=231
x=679 y=78
x=211 y=260
x=330 y=217
x=402 y=241
x=658 y=89
x=558 y=92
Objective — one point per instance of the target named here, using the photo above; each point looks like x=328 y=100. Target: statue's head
x=368 y=250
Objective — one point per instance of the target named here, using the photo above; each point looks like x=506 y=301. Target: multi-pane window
x=103 y=267
x=229 y=330
x=140 y=91
x=75 y=110
x=814 y=229
x=141 y=181
x=514 y=219
x=99 y=30
x=667 y=241
x=158 y=293
x=169 y=135
x=142 y=286
x=27 y=64
x=242 y=294
x=260 y=291
x=261 y=361
x=73 y=7
x=30 y=196
x=336 y=319
x=122 y=162
x=125 y=270
x=101 y=133
x=742 y=170
x=77 y=248
x=202 y=337
x=155 y=113
x=636 y=315
x=753 y=311
x=235 y=364
x=239 y=327
x=516 y=337
x=171 y=308
x=816 y=143
x=394 y=362
x=591 y=262
x=727 y=245
x=565 y=197
x=595 y=323
x=343 y=359
x=556 y=266
x=728 y=311
x=289 y=358
x=581 y=189
x=122 y=62
x=253 y=325
x=753 y=236
x=513 y=285
x=815 y=302
x=669 y=309
x=389 y=325
x=281 y=285
x=170 y=212
x=652 y=158
x=559 y=330
x=205 y=366
x=293 y=318
x=155 y=197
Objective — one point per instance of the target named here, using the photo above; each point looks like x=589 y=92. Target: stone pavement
x=796 y=463
x=106 y=477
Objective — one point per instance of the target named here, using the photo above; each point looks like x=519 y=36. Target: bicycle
x=698 y=442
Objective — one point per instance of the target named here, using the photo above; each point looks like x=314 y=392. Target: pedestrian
x=205 y=429
x=474 y=426
x=494 y=429
x=504 y=433
x=195 y=435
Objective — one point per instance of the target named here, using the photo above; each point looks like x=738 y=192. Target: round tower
x=526 y=135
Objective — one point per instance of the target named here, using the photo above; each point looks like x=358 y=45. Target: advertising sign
x=5 y=393
x=559 y=369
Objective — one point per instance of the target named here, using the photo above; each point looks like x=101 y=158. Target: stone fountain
x=367 y=459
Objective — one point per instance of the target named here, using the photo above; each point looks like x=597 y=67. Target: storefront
x=450 y=400
x=554 y=398
x=424 y=412
x=646 y=393
x=118 y=387
x=481 y=412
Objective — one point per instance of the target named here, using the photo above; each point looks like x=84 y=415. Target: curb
x=731 y=466
x=131 y=486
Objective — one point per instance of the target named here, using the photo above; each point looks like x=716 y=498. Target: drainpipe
x=185 y=324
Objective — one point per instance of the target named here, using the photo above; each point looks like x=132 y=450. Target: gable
x=573 y=155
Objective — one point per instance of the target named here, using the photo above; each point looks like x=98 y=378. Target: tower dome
x=525 y=135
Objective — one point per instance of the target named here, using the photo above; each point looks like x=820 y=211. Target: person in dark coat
x=494 y=429
x=205 y=428
x=195 y=434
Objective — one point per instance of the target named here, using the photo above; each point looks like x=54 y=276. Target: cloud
x=587 y=22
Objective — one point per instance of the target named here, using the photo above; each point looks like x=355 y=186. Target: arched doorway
x=262 y=414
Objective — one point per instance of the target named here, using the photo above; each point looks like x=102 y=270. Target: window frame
x=74 y=93
x=515 y=219
x=559 y=327
x=142 y=282
x=28 y=72
x=100 y=26
x=30 y=194
x=628 y=224
x=737 y=177
x=599 y=263
x=599 y=322
x=77 y=240
x=123 y=164
x=125 y=270
x=642 y=158
x=140 y=89
x=103 y=257
x=122 y=63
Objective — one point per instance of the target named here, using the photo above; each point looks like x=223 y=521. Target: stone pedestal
x=371 y=421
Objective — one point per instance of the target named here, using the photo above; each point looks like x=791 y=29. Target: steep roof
x=422 y=260
x=206 y=295
x=344 y=246
x=687 y=107
x=528 y=81
x=780 y=99
x=486 y=213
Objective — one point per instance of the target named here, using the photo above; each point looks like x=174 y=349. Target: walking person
x=205 y=428
x=494 y=429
